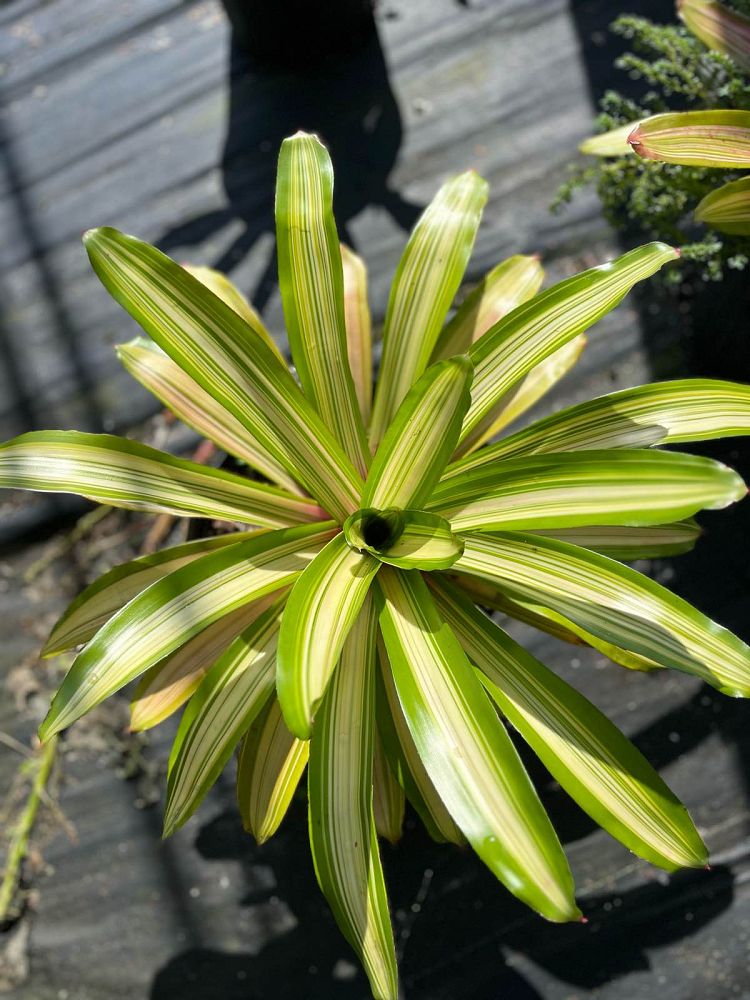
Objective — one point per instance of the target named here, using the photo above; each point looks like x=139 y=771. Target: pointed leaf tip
x=635 y=136
x=529 y=334
x=312 y=290
x=426 y=281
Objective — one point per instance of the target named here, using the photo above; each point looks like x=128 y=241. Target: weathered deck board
x=124 y=114
x=122 y=121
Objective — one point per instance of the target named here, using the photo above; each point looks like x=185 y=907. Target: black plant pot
x=293 y=34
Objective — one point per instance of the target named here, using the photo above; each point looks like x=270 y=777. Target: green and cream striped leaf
x=421 y=439
x=727 y=208
x=124 y=473
x=532 y=388
x=150 y=366
x=387 y=796
x=99 y=601
x=177 y=607
x=405 y=760
x=269 y=766
x=358 y=328
x=623 y=542
x=506 y=286
x=490 y=595
x=417 y=539
x=229 y=698
x=583 y=751
x=572 y=489
x=321 y=609
x=467 y=751
x=312 y=289
x=229 y=293
x=660 y=413
x=525 y=337
x=611 y=143
x=426 y=281
x=168 y=684
x=613 y=602
x=342 y=829
x=228 y=359
x=719 y=27
x=716 y=138
x=550 y=622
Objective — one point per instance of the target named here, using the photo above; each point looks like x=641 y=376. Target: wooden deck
x=139 y=115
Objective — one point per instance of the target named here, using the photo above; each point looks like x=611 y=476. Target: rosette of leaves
x=695 y=121
x=339 y=628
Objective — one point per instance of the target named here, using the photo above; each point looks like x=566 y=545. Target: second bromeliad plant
x=342 y=630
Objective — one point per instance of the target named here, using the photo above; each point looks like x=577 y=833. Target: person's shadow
x=348 y=101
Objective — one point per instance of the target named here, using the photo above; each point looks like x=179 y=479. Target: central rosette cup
x=410 y=539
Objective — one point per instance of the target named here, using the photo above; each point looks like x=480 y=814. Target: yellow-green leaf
x=719 y=138
x=535 y=330
x=582 y=749
x=489 y=595
x=506 y=286
x=312 y=289
x=405 y=760
x=197 y=409
x=358 y=328
x=421 y=438
x=229 y=698
x=228 y=359
x=531 y=389
x=660 y=413
x=613 y=602
x=177 y=607
x=611 y=143
x=169 y=683
x=719 y=27
x=342 y=829
x=124 y=473
x=228 y=292
x=321 y=609
x=387 y=796
x=624 y=542
x=427 y=278
x=727 y=208
x=107 y=594
x=269 y=767
x=467 y=752
x=570 y=489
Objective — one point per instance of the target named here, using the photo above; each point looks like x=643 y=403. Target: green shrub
x=657 y=199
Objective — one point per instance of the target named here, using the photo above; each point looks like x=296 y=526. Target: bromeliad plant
x=339 y=629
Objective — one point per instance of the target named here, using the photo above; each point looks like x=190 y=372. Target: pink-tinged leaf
x=718 y=138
